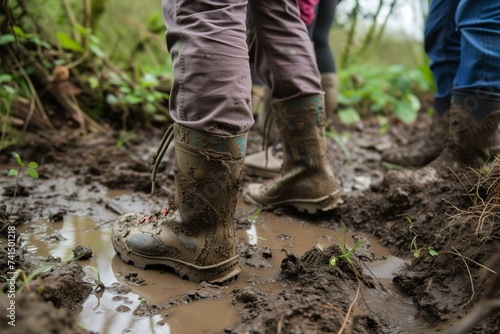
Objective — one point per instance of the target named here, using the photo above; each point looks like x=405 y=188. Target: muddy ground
x=456 y=215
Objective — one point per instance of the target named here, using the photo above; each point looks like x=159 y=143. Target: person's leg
x=475 y=109
x=279 y=43
x=442 y=44
x=212 y=83
x=320 y=32
x=210 y=102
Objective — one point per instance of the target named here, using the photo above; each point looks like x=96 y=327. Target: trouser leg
x=211 y=90
x=442 y=44
x=280 y=48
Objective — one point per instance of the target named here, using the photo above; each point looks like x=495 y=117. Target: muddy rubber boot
x=266 y=163
x=423 y=151
x=196 y=238
x=469 y=139
x=306 y=181
x=330 y=85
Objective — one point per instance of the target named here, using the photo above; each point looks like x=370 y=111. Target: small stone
x=82 y=253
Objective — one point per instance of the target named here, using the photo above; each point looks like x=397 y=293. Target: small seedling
x=346 y=252
x=31 y=169
x=253 y=219
x=28 y=278
x=100 y=285
x=413 y=244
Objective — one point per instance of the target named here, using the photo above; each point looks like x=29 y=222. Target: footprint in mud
x=118 y=289
x=122 y=309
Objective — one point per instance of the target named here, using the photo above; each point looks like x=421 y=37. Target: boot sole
x=310 y=206
x=222 y=273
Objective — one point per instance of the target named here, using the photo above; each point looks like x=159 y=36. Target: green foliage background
x=119 y=69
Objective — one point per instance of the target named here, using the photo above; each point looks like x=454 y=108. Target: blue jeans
x=462 y=39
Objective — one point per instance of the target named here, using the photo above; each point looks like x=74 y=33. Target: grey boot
x=196 y=237
x=330 y=85
x=469 y=139
x=306 y=181
x=426 y=149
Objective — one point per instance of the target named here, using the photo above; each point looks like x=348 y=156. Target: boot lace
x=160 y=152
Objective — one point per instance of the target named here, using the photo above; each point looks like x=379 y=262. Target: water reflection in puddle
x=115 y=311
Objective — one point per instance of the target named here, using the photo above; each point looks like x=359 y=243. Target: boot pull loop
x=160 y=152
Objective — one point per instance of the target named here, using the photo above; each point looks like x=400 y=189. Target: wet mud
x=296 y=278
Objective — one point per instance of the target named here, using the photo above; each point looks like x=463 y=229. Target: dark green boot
x=196 y=237
x=306 y=181
x=425 y=149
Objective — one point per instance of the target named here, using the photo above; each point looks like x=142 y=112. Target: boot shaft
x=208 y=172
x=301 y=125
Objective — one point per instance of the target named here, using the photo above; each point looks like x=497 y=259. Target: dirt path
x=295 y=291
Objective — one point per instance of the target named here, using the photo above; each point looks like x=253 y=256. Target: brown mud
x=287 y=284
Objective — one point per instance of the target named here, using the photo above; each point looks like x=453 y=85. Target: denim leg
x=478 y=23
x=211 y=89
x=442 y=44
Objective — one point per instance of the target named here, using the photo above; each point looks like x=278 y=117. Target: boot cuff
x=480 y=103
x=235 y=145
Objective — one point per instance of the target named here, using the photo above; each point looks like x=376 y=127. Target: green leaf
x=19 y=32
x=68 y=42
x=96 y=50
x=432 y=252
x=18 y=159
x=5 y=77
x=333 y=261
x=392 y=166
x=403 y=112
x=93 y=82
x=32 y=164
x=40 y=42
x=33 y=173
x=149 y=80
x=13 y=172
x=133 y=99
x=416 y=253
x=348 y=116
x=7 y=39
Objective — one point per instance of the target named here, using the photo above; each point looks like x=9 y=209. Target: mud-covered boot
x=469 y=139
x=306 y=181
x=266 y=163
x=423 y=151
x=330 y=85
x=196 y=237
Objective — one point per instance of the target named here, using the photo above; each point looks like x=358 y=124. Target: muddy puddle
x=157 y=301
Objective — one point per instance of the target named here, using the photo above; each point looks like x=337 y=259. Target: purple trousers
x=211 y=41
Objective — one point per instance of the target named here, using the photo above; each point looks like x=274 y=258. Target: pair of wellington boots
x=267 y=163
x=196 y=236
x=457 y=137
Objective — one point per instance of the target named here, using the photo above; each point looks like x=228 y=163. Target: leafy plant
x=413 y=243
x=28 y=278
x=31 y=169
x=100 y=285
x=371 y=90
x=346 y=252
